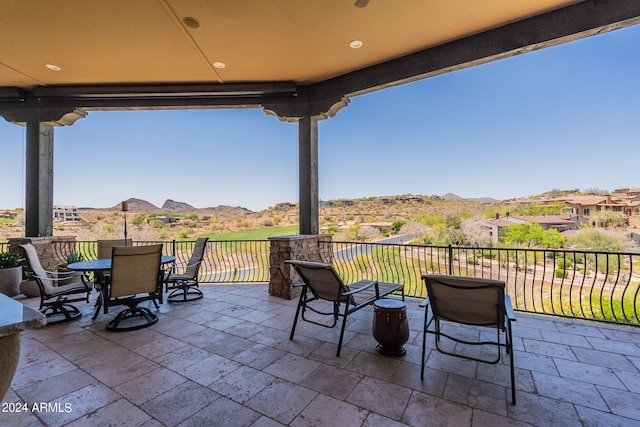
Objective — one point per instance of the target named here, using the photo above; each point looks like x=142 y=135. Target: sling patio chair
x=322 y=283
x=135 y=277
x=184 y=285
x=105 y=246
x=468 y=301
x=57 y=289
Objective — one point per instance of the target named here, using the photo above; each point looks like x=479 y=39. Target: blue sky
x=562 y=117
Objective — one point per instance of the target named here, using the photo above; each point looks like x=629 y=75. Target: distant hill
x=178 y=207
x=451 y=196
x=137 y=205
x=174 y=207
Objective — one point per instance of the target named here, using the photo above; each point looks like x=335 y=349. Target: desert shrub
x=561 y=273
x=472 y=260
x=564 y=263
x=397 y=225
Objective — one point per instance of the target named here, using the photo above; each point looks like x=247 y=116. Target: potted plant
x=10 y=273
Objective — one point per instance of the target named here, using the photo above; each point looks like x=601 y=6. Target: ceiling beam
x=560 y=26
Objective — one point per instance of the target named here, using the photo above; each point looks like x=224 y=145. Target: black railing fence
x=603 y=286
x=231 y=261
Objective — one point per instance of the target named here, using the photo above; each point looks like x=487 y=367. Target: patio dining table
x=99 y=267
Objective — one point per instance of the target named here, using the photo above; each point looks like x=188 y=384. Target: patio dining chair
x=57 y=289
x=322 y=283
x=106 y=246
x=469 y=301
x=135 y=277
x=184 y=284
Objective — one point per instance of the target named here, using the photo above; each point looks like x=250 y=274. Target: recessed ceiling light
x=355 y=44
x=219 y=64
x=191 y=22
x=53 y=67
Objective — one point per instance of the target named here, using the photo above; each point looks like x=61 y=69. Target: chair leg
x=424 y=342
x=303 y=295
x=344 y=324
x=60 y=312
x=513 y=375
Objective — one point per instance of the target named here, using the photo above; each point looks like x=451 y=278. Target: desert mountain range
x=172 y=206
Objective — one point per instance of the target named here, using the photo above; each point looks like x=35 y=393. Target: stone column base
x=312 y=247
x=9 y=356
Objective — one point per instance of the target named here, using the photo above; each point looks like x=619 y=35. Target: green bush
x=472 y=260
x=563 y=263
x=561 y=273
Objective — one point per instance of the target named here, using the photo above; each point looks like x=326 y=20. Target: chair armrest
x=511 y=315
x=424 y=303
x=367 y=286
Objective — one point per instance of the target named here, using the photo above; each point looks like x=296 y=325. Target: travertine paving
x=226 y=360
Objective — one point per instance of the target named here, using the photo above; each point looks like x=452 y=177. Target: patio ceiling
x=164 y=53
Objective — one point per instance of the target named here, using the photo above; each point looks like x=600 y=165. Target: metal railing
x=229 y=261
x=602 y=286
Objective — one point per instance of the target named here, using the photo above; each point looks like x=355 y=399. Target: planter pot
x=29 y=288
x=10 y=279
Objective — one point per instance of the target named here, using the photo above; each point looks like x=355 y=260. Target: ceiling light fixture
x=219 y=64
x=355 y=44
x=361 y=3
x=191 y=22
x=53 y=67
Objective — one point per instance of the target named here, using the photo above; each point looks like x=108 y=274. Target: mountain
x=451 y=196
x=485 y=200
x=177 y=207
x=137 y=205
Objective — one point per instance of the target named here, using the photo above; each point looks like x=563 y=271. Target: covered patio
x=227 y=360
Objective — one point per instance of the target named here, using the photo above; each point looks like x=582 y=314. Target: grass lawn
x=260 y=234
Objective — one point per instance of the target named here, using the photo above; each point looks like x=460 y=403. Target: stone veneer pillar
x=49 y=248
x=313 y=247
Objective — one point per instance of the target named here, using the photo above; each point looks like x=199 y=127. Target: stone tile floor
x=226 y=360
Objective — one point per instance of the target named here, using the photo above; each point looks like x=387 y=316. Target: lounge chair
x=322 y=283
x=469 y=301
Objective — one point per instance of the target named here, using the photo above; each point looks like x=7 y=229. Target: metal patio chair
x=468 y=301
x=57 y=289
x=135 y=277
x=184 y=286
x=322 y=283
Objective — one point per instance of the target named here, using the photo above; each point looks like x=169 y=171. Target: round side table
x=390 y=326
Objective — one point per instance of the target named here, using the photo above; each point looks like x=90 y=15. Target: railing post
x=173 y=247
x=450 y=260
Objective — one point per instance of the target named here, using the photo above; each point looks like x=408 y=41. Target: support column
x=39 y=180
x=315 y=248
x=308 y=174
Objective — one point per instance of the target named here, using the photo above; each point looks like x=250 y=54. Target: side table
x=390 y=326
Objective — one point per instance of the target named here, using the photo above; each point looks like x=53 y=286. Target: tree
x=476 y=233
x=595 y=240
x=532 y=234
x=607 y=219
